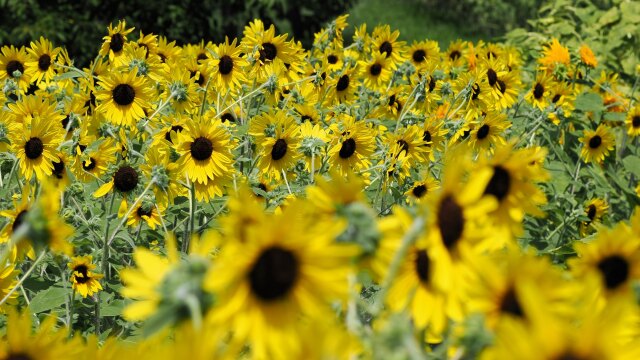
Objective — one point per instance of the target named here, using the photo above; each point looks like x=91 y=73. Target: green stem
x=23 y=278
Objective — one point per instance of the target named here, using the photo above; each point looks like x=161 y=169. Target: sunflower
x=595 y=209
x=47 y=342
x=562 y=98
x=92 y=162
x=60 y=172
x=42 y=56
x=280 y=151
x=386 y=42
x=506 y=285
x=633 y=121
x=125 y=181
x=513 y=184
x=540 y=94
x=375 y=72
x=313 y=139
x=597 y=144
x=506 y=90
x=114 y=42
x=408 y=142
x=145 y=212
x=123 y=98
x=587 y=57
x=159 y=163
x=136 y=58
x=228 y=67
x=168 y=51
x=21 y=206
x=332 y=59
x=489 y=132
x=182 y=91
x=83 y=279
x=205 y=151
x=353 y=144
x=423 y=53
x=422 y=190
x=612 y=260
x=35 y=145
x=287 y=269
x=554 y=54
x=417 y=286
x=454 y=54
x=341 y=87
x=13 y=61
x=327 y=197
x=433 y=135
x=481 y=100
x=8 y=281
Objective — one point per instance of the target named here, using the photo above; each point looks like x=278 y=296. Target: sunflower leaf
x=48 y=299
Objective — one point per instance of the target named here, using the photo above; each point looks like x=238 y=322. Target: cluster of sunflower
x=372 y=200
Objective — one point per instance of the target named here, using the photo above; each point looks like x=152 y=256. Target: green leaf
x=49 y=299
x=632 y=164
x=589 y=102
x=112 y=309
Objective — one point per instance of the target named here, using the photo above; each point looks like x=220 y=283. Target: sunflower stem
x=23 y=278
x=284 y=175
x=313 y=165
x=96 y=305
x=192 y=217
x=409 y=239
x=105 y=245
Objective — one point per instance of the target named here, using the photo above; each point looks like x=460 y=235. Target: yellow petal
x=103 y=190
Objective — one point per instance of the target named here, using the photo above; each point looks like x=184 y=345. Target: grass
x=413 y=21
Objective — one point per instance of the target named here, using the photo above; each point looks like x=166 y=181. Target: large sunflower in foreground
x=35 y=145
x=124 y=97
x=205 y=150
x=597 y=144
x=287 y=270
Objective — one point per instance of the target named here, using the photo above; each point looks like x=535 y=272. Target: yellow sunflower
x=424 y=52
x=83 y=280
x=488 y=133
x=228 y=67
x=376 y=72
x=205 y=150
x=35 y=144
x=123 y=98
x=595 y=209
x=280 y=151
x=540 y=93
x=353 y=144
x=341 y=87
x=287 y=269
x=422 y=190
x=554 y=54
x=114 y=42
x=92 y=160
x=597 y=144
x=633 y=121
x=386 y=42
x=13 y=61
x=42 y=56
x=146 y=212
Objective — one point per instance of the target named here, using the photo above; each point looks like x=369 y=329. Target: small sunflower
x=489 y=132
x=595 y=209
x=42 y=56
x=35 y=145
x=13 y=61
x=83 y=279
x=92 y=162
x=554 y=54
x=376 y=72
x=386 y=42
x=228 y=65
x=587 y=56
x=354 y=142
x=123 y=98
x=597 y=144
x=113 y=44
x=280 y=151
x=540 y=93
x=145 y=212
x=205 y=151
x=633 y=121
x=125 y=180
x=422 y=190
x=341 y=87
x=424 y=52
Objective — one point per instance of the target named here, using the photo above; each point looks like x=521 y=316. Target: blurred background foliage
x=610 y=27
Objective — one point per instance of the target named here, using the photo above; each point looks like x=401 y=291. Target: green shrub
x=79 y=24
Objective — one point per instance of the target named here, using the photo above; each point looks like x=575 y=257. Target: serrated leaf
x=589 y=102
x=49 y=299
x=632 y=164
x=112 y=309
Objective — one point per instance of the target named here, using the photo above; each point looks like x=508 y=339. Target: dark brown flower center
x=483 y=132
x=450 y=222
x=82 y=276
x=33 y=148
x=123 y=94
x=117 y=42
x=90 y=166
x=125 y=179
x=635 y=121
x=454 y=55
x=595 y=142
x=419 y=191
x=538 y=91
x=419 y=56
x=386 y=48
x=58 y=169
x=279 y=149
x=492 y=77
x=201 y=148
x=144 y=212
x=476 y=91
x=44 y=62
x=614 y=270
x=422 y=265
x=591 y=212
x=343 y=83
x=510 y=303
x=348 y=148
x=18 y=220
x=502 y=86
x=375 y=69
x=176 y=128
x=499 y=184
x=426 y=136
x=14 y=65
x=18 y=356
x=556 y=98
x=404 y=146
x=227 y=117
x=332 y=59
x=273 y=274
x=225 y=65
x=268 y=52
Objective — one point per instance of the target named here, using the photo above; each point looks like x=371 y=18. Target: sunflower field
x=364 y=198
